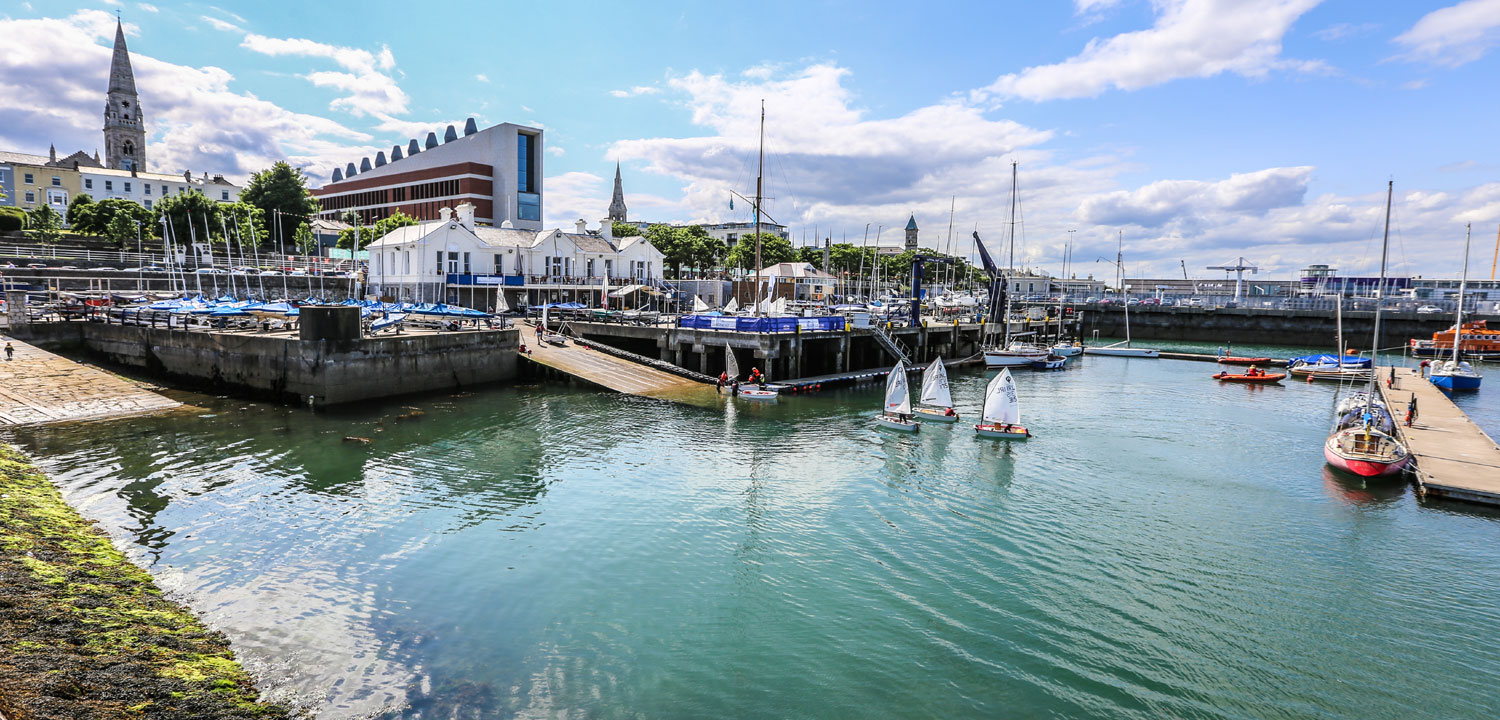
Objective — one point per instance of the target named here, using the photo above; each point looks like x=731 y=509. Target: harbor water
x=1166 y=546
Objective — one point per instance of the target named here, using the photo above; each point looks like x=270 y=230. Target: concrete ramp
x=40 y=387
x=615 y=373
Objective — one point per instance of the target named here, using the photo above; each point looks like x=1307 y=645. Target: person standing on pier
x=9 y=352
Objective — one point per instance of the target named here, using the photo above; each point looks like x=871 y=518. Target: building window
x=589 y=265
x=529 y=206
x=148 y=188
x=148 y=204
x=56 y=181
x=405 y=261
x=224 y=195
x=439 y=269
x=127 y=187
x=467 y=271
x=609 y=268
x=88 y=183
x=30 y=196
x=732 y=237
x=379 y=264
x=109 y=186
x=526 y=163
x=28 y=179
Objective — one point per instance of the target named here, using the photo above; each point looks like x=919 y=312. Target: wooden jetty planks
x=1454 y=458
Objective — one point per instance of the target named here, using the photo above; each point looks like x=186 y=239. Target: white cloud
x=197 y=122
x=556 y=150
x=1087 y=6
x=481 y=77
x=1340 y=31
x=369 y=90
x=148 y=7
x=1191 y=38
x=637 y=90
x=1454 y=35
x=220 y=24
x=1164 y=201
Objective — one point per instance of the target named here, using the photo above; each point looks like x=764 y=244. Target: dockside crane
x=1238 y=269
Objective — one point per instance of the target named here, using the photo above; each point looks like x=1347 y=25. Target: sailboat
x=935 y=395
x=896 y=415
x=1340 y=367
x=1010 y=353
x=1123 y=349
x=1363 y=441
x=1455 y=374
x=732 y=369
x=1002 y=410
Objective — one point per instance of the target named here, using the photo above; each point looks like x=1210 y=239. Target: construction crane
x=1238 y=269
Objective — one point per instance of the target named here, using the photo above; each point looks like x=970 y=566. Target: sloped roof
x=506 y=237
x=7 y=156
x=795 y=270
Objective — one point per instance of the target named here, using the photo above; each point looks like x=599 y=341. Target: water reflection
x=1362 y=491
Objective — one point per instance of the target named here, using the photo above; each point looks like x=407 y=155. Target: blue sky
x=1202 y=129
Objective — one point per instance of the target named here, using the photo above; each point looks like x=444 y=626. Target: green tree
x=12 y=219
x=709 y=252
x=191 y=216
x=811 y=254
x=371 y=233
x=121 y=230
x=773 y=249
x=247 y=224
x=103 y=215
x=80 y=215
x=304 y=240
x=623 y=230
x=284 y=188
x=44 y=224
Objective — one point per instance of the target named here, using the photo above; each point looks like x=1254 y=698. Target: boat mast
x=1385 y=246
x=1458 y=322
x=1120 y=283
x=760 y=172
x=1010 y=271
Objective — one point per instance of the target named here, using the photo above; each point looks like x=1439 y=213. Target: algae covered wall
x=86 y=634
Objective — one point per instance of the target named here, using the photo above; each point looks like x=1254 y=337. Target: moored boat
x=1455 y=374
x=1050 y=362
x=1001 y=418
x=1266 y=378
x=1232 y=360
x=896 y=415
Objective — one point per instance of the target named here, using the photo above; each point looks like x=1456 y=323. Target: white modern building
x=455 y=259
x=497 y=170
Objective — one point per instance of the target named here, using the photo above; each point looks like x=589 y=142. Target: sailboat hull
x=890 y=422
x=1123 y=352
x=747 y=394
x=1067 y=350
x=936 y=415
x=1002 y=432
x=1456 y=382
x=1004 y=358
x=1362 y=464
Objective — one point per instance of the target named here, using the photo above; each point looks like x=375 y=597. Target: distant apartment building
x=497 y=170
x=147 y=188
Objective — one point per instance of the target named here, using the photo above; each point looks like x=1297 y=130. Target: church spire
x=124 y=123
x=121 y=77
x=617 y=204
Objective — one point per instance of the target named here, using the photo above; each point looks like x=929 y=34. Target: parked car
x=68 y=267
x=151 y=268
x=1429 y=310
x=1150 y=301
x=37 y=266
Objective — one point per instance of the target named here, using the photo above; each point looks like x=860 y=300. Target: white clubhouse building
x=454 y=260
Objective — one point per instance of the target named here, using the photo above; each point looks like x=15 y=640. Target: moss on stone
x=85 y=633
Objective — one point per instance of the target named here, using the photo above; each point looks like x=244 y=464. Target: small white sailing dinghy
x=732 y=369
x=1002 y=410
x=897 y=412
x=935 y=395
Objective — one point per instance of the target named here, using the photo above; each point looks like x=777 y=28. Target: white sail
x=935 y=385
x=733 y=306
x=778 y=308
x=699 y=306
x=731 y=366
x=544 y=318
x=500 y=305
x=1000 y=402
x=897 y=398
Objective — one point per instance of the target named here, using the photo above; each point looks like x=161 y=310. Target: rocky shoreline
x=84 y=633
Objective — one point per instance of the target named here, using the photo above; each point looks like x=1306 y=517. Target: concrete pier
x=40 y=387
x=1454 y=458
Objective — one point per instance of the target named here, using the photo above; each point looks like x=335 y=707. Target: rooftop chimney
x=469 y=127
x=466 y=215
x=583 y=227
x=607 y=229
x=446 y=213
x=450 y=135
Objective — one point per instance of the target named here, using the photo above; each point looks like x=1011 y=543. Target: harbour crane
x=1238 y=269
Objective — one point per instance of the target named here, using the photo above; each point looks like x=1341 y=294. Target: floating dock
x=1454 y=458
x=40 y=387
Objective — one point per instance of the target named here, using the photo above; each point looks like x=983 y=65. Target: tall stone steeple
x=617 y=204
x=124 y=126
x=911 y=233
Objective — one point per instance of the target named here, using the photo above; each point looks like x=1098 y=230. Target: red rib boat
x=1232 y=360
x=1261 y=378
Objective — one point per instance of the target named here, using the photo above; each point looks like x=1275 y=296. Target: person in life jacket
x=950 y=413
x=723 y=378
x=1254 y=372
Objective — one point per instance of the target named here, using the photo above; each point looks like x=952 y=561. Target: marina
x=1453 y=456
